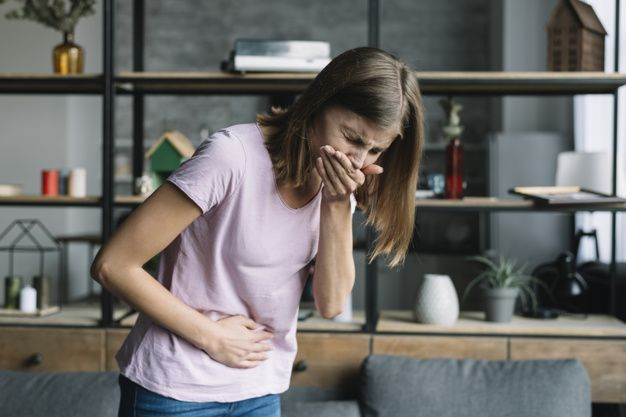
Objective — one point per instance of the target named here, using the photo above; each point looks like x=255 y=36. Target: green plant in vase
x=63 y=16
x=502 y=282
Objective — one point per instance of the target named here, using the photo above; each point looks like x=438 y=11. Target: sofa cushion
x=67 y=394
x=319 y=402
x=299 y=393
x=320 y=409
x=399 y=386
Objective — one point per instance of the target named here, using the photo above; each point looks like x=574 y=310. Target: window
x=593 y=131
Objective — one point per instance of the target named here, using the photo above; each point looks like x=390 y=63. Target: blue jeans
x=136 y=401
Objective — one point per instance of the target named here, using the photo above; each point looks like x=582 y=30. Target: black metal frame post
x=107 y=146
x=371 y=269
x=138 y=98
x=613 y=267
x=373 y=32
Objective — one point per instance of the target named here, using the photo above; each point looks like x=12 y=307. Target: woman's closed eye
x=358 y=142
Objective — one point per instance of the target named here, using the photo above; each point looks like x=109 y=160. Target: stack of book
x=257 y=55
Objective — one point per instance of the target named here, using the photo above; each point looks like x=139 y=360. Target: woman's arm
x=334 y=274
x=334 y=265
x=118 y=267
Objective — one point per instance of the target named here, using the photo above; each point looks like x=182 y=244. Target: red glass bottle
x=454 y=169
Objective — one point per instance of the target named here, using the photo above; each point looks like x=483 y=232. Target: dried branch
x=53 y=13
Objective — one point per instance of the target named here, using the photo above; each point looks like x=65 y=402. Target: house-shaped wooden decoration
x=167 y=153
x=575 y=38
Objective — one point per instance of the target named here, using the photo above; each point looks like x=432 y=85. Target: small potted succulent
x=67 y=57
x=502 y=282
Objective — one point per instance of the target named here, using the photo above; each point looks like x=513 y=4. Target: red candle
x=50 y=182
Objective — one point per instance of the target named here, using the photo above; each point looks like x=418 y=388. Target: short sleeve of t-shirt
x=213 y=172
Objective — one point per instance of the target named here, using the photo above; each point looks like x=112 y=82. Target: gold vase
x=67 y=57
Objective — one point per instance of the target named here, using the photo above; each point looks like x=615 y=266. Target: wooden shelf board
x=73 y=314
x=45 y=83
x=212 y=82
x=539 y=82
x=89 y=201
x=393 y=321
x=465 y=204
x=472 y=322
x=93 y=238
x=431 y=82
x=11 y=312
x=500 y=204
x=45 y=76
x=49 y=200
x=216 y=82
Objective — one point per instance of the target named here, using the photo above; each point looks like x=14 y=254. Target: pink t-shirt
x=247 y=254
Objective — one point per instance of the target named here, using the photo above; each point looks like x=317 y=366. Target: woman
x=240 y=222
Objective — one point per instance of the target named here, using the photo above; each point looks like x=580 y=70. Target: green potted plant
x=67 y=57
x=502 y=282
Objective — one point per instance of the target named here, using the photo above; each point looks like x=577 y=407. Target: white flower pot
x=437 y=301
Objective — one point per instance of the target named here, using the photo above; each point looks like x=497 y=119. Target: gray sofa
x=389 y=386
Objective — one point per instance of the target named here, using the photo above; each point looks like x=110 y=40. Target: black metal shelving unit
x=140 y=83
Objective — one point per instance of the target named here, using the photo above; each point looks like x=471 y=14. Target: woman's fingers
x=263 y=336
x=248 y=364
x=256 y=356
x=372 y=170
x=261 y=347
x=322 y=171
x=331 y=173
x=352 y=178
x=339 y=175
x=248 y=323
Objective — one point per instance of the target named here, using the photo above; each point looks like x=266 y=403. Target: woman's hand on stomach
x=238 y=343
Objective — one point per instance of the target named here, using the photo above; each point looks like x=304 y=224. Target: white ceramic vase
x=437 y=302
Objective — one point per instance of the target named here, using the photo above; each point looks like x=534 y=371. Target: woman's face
x=351 y=134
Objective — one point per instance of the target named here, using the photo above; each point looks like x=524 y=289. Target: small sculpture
x=453 y=129
x=144 y=185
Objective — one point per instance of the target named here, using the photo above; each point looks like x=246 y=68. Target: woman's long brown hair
x=377 y=86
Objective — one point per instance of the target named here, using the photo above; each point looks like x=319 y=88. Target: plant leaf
x=483 y=260
x=477 y=280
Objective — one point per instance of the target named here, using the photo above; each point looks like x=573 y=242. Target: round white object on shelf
x=436 y=302
x=77 y=182
x=28 y=300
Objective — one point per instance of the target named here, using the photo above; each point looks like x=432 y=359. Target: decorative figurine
x=453 y=128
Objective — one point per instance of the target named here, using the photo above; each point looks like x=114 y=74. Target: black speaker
x=448 y=233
